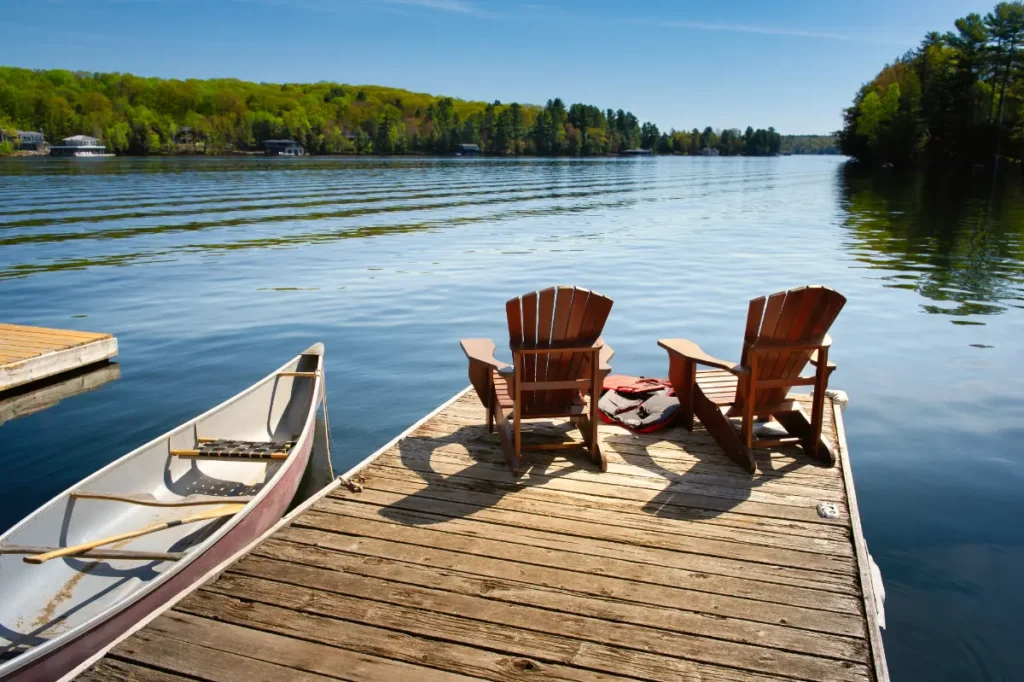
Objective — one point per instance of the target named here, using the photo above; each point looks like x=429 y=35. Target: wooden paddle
x=224 y=510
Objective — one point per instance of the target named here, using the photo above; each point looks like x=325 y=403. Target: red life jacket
x=631 y=385
x=640 y=404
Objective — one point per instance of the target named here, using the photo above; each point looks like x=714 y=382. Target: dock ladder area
x=31 y=354
x=435 y=562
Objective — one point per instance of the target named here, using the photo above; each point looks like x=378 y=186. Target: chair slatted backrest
x=801 y=315
x=555 y=316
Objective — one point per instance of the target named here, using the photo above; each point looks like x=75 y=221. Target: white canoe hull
x=67 y=609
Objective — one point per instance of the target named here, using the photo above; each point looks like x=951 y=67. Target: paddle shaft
x=225 y=510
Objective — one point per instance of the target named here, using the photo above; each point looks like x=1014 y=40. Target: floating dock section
x=31 y=354
x=436 y=563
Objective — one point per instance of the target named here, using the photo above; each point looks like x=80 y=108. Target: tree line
x=134 y=115
x=810 y=144
x=957 y=98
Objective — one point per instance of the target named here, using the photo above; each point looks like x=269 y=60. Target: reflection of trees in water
x=957 y=240
x=390 y=198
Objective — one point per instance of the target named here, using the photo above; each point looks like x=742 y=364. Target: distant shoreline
x=426 y=155
x=156 y=116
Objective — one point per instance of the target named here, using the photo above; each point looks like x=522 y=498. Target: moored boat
x=99 y=557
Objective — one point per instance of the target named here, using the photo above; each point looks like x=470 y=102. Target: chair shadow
x=458 y=494
x=687 y=495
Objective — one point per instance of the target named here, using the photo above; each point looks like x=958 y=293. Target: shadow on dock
x=485 y=480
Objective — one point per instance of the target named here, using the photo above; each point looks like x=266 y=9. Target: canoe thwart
x=238 y=449
x=296 y=374
x=97 y=553
x=148 y=500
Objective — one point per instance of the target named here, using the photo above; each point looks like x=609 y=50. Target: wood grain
x=29 y=354
x=672 y=565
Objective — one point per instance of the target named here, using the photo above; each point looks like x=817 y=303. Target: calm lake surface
x=212 y=272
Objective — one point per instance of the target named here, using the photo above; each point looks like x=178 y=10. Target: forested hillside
x=136 y=115
x=810 y=144
x=957 y=98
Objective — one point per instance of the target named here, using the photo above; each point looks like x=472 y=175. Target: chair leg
x=720 y=428
x=818 y=401
x=507 y=439
x=747 y=424
x=799 y=425
x=596 y=385
x=517 y=406
x=588 y=428
x=748 y=403
x=683 y=376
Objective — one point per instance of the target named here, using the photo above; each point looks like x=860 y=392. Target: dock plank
x=448 y=609
x=325 y=568
x=373 y=640
x=30 y=354
x=673 y=565
x=624 y=588
x=113 y=670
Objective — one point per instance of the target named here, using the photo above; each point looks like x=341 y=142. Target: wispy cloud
x=465 y=7
x=779 y=31
x=458 y=6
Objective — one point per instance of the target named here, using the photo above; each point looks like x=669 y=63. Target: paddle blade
x=216 y=512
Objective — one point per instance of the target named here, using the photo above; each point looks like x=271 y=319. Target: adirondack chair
x=558 y=358
x=784 y=332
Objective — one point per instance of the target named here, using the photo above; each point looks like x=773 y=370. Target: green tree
x=958 y=101
x=517 y=126
x=1005 y=25
x=117 y=137
x=649 y=135
x=138 y=115
x=504 y=132
x=544 y=133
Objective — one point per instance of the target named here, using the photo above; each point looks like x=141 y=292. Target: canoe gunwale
x=26 y=659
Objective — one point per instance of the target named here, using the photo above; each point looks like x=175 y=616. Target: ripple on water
x=214 y=271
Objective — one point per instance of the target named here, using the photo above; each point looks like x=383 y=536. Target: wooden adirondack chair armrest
x=482 y=351
x=691 y=351
x=606 y=355
x=814 y=361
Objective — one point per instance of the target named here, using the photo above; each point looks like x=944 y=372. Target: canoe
x=243 y=458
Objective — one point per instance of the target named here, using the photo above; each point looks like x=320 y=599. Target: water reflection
x=955 y=240
x=26 y=400
x=210 y=270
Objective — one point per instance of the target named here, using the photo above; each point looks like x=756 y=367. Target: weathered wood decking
x=673 y=565
x=29 y=354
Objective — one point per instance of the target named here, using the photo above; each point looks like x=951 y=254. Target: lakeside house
x=185 y=135
x=468 y=150
x=637 y=152
x=710 y=151
x=189 y=140
x=283 y=148
x=30 y=141
x=79 y=145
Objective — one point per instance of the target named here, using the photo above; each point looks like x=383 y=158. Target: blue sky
x=793 y=64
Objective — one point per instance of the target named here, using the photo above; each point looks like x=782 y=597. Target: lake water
x=212 y=272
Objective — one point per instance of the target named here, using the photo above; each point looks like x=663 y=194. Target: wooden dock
x=673 y=565
x=30 y=354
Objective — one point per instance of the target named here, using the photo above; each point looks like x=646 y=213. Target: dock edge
x=860 y=545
